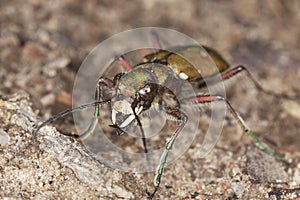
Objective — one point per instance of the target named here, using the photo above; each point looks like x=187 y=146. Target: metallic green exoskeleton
x=146 y=84
x=178 y=60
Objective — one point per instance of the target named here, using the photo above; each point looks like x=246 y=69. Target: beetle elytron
x=147 y=84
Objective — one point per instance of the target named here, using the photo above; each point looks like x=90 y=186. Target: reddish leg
x=201 y=99
x=232 y=72
x=125 y=63
x=155 y=41
x=237 y=70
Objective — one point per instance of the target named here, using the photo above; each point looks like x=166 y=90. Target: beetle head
x=125 y=109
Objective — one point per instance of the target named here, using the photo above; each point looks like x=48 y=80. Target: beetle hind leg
x=201 y=99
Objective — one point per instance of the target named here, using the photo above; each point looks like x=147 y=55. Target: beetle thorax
x=137 y=89
x=131 y=88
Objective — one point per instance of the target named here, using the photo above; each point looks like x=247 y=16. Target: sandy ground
x=42 y=47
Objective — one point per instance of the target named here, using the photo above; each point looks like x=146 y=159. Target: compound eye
x=145 y=90
x=147 y=93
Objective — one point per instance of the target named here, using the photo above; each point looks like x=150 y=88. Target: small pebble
x=4 y=138
x=238 y=188
x=64 y=98
x=48 y=99
x=292 y=108
x=51 y=68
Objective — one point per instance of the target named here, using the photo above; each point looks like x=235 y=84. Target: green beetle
x=156 y=80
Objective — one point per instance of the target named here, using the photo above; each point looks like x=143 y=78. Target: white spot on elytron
x=127 y=121
x=183 y=76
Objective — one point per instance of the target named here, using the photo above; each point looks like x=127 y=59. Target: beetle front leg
x=105 y=82
x=102 y=81
x=64 y=113
x=201 y=99
x=182 y=119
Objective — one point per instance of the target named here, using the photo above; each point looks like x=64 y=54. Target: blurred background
x=42 y=44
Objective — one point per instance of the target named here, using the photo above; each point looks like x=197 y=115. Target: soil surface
x=42 y=45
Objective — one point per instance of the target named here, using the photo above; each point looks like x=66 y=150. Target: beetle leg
x=105 y=82
x=182 y=119
x=201 y=99
x=237 y=70
x=125 y=63
x=96 y=104
x=63 y=113
x=155 y=41
x=232 y=72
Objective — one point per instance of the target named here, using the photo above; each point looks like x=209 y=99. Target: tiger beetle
x=147 y=84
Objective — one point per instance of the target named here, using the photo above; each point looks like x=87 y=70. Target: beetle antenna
x=63 y=113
